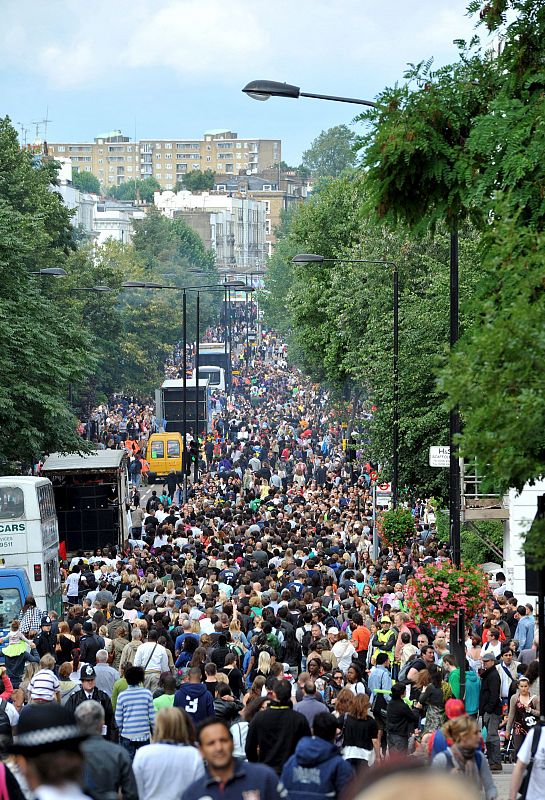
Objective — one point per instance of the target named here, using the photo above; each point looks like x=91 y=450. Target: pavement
x=503 y=780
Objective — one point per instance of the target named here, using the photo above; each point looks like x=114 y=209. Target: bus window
x=173 y=448
x=158 y=449
x=46 y=502
x=10 y=606
x=12 y=502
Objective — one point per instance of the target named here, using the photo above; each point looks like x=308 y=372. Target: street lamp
x=263 y=90
x=96 y=289
x=314 y=258
x=52 y=272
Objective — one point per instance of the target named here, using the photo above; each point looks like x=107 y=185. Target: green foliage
x=301 y=171
x=86 y=182
x=137 y=190
x=397 y=527
x=331 y=152
x=44 y=347
x=466 y=142
x=197 y=181
x=475 y=549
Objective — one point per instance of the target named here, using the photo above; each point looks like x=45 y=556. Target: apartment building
x=114 y=159
x=277 y=191
x=233 y=227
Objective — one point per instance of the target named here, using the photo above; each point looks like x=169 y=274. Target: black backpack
x=6 y=735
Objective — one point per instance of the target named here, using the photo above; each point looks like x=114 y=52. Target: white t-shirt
x=72 y=584
x=536 y=787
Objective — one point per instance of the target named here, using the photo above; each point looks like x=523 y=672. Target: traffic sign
x=439 y=457
x=373 y=475
x=385 y=488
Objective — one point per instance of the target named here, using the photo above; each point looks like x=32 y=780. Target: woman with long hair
x=464 y=755
x=255 y=691
x=171 y=753
x=199 y=660
x=64 y=644
x=360 y=732
x=432 y=701
x=523 y=712
x=239 y=728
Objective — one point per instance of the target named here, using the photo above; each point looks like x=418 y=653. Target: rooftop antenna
x=24 y=132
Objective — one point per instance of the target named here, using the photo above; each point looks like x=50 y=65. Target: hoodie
x=316 y=770
x=196 y=700
x=473 y=689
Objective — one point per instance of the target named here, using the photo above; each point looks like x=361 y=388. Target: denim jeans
x=130 y=746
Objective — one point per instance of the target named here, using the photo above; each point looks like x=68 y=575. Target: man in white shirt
x=152 y=657
x=106 y=675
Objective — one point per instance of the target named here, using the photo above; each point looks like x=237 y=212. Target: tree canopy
x=197 y=181
x=331 y=152
x=135 y=190
x=466 y=142
x=86 y=182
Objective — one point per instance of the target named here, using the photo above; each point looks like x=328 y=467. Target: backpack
x=305 y=642
x=450 y=760
x=402 y=677
x=6 y=735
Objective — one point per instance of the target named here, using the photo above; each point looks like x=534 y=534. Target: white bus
x=29 y=542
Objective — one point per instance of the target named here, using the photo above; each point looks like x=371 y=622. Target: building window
x=195 y=166
x=158 y=176
x=181 y=167
x=168 y=155
x=229 y=167
x=209 y=158
x=238 y=145
x=129 y=169
x=158 y=156
x=267 y=206
x=168 y=146
x=61 y=148
x=158 y=145
x=168 y=166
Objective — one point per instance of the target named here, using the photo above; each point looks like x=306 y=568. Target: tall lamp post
x=314 y=258
x=263 y=90
x=184 y=290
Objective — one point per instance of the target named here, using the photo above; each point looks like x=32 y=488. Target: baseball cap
x=386 y=619
x=488 y=657
x=333 y=630
x=454 y=708
x=87 y=673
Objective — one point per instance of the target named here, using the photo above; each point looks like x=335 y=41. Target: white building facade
x=234 y=228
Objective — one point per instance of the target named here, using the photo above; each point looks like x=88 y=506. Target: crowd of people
x=244 y=643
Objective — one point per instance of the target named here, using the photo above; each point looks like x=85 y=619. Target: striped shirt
x=43 y=685
x=134 y=713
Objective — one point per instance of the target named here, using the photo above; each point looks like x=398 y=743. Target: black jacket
x=107 y=769
x=489 y=698
x=273 y=735
x=45 y=643
x=89 y=646
x=101 y=697
x=400 y=719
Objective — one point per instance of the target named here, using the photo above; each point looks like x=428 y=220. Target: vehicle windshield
x=10 y=606
x=213 y=376
x=12 y=502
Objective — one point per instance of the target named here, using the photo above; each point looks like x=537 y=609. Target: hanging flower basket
x=396 y=527
x=436 y=593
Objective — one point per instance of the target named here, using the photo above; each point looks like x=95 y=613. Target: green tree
x=197 y=181
x=331 y=152
x=137 y=190
x=467 y=142
x=86 y=182
x=45 y=348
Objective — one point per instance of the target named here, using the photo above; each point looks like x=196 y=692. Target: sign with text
x=439 y=457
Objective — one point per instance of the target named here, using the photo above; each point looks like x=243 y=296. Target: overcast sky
x=175 y=68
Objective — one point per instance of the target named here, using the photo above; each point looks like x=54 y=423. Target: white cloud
x=79 y=44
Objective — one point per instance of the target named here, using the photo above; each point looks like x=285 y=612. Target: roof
x=84 y=462
x=178 y=383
